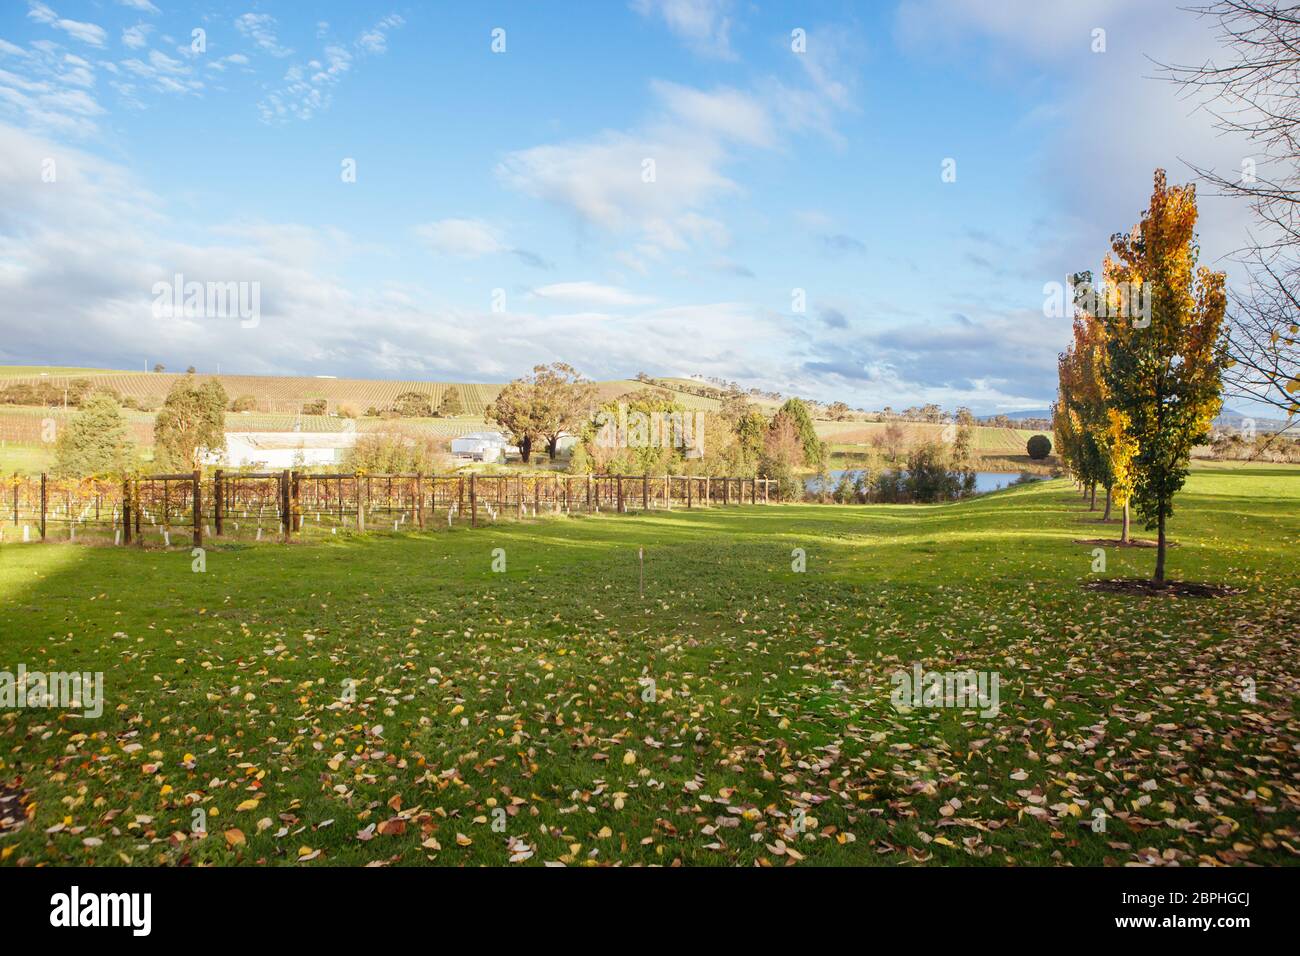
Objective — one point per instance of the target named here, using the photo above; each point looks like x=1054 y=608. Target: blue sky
x=501 y=216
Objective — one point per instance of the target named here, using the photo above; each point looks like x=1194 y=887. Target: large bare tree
x=1253 y=91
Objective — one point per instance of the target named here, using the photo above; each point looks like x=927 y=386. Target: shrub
x=788 y=487
x=316 y=407
x=451 y=404
x=929 y=478
x=413 y=405
x=890 y=487
x=396 y=452
x=244 y=403
x=1038 y=447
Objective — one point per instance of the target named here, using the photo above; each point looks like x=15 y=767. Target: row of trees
x=1136 y=394
x=72 y=395
x=190 y=423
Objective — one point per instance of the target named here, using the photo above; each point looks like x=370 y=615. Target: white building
x=483 y=446
x=276 y=451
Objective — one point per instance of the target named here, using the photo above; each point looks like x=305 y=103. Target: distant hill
x=1234 y=419
x=1228 y=418
x=1018 y=416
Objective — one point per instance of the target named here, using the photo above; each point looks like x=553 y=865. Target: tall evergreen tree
x=814 y=451
x=95 y=442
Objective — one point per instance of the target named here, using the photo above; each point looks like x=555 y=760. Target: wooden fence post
x=460 y=493
x=645 y=491
x=473 y=504
x=43 y=503
x=197 y=490
x=286 y=519
x=361 y=505
x=218 y=500
x=126 y=511
x=419 y=500
x=588 y=495
x=620 y=497
x=135 y=497
x=15 y=499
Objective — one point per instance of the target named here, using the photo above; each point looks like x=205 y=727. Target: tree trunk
x=1123 y=534
x=1106 y=516
x=553 y=446
x=525 y=448
x=1160 y=549
x=1092 y=490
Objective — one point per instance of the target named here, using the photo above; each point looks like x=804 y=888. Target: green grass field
x=503 y=717
x=25 y=459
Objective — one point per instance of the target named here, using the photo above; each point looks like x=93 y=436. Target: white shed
x=276 y=451
x=482 y=446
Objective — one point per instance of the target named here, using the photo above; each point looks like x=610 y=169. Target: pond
x=984 y=480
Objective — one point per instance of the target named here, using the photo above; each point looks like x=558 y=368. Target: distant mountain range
x=1227 y=419
x=1231 y=419
x=1019 y=416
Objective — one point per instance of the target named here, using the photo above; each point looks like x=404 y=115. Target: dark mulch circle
x=1146 y=588
x=1130 y=543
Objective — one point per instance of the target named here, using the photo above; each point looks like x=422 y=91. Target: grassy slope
x=774 y=689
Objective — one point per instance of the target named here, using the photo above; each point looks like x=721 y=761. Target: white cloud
x=137 y=36
x=590 y=293
x=260 y=28
x=85 y=255
x=461 y=237
x=471 y=239
x=657 y=180
x=85 y=32
x=603 y=179
x=375 y=40
x=52 y=92
x=142 y=5
x=236 y=59
x=1100 y=189
x=164 y=74
x=307 y=86
x=704 y=25
x=729 y=113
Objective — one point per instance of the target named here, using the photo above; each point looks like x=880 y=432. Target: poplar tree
x=1164 y=376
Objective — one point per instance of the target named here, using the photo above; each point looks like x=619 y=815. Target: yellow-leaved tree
x=1163 y=372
